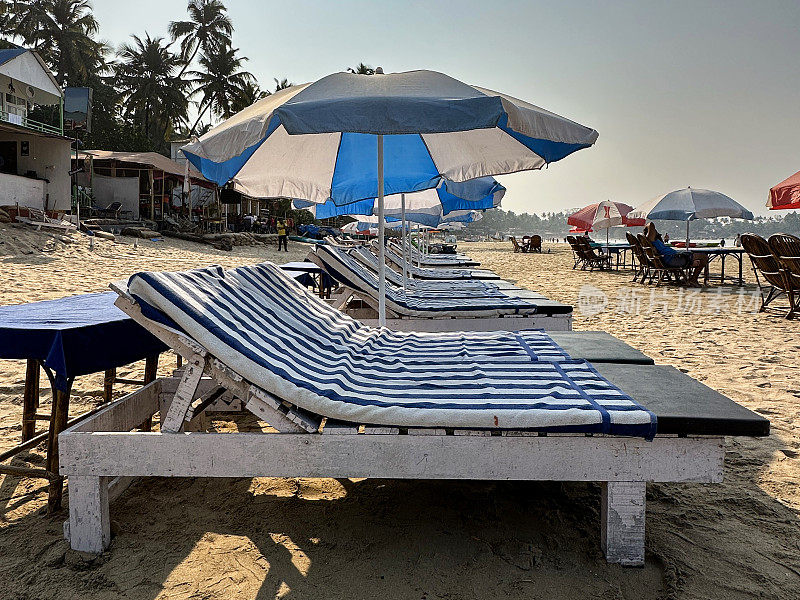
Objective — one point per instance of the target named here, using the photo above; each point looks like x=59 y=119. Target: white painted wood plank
x=89 y=522
x=266 y=411
x=334 y=427
x=426 y=431
x=184 y=394
x=124 y=413
x=118 y=485
x=622 y=516
x=473 y=432
x=392 y=456
x=510 y=323
x=380 y=430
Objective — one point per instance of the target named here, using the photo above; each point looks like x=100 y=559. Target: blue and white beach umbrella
x=348 y=137
x=688 y=205
x=427 y=207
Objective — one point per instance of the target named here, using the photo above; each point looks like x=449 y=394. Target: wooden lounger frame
x=101 y=455
x=369 y=316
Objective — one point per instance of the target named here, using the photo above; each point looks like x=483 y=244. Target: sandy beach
x=324 y=538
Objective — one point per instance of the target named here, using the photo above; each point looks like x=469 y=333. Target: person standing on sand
x=282 y=237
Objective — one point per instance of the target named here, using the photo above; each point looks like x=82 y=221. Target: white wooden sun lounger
x=433 y=310
x=384 y=431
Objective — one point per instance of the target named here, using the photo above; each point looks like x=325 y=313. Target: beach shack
x=34 y=153
x=147 y=185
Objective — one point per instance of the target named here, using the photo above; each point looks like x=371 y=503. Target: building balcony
x=32 y=124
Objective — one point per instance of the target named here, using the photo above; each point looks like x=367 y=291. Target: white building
x=34 y=155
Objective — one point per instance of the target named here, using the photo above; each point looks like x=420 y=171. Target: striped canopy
x=690 y=204
x=602 y=215
x=450 y=201
x=318 y=141
x=785 y=195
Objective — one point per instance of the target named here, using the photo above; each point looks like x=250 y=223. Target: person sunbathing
x=676 y=258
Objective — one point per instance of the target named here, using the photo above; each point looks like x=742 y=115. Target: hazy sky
x=701 y=94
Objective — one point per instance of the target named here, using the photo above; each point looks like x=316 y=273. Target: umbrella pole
x=403 y=223
x=687 y=234
x=381 y=240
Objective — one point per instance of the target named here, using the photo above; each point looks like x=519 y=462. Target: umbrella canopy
x=603 y=215
x=785 y=195
x=361 y=228
x=690 y=204
x=318 y=141
x=427 y=207
x=347 y=137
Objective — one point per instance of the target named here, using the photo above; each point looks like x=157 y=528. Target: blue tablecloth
x=74 y=336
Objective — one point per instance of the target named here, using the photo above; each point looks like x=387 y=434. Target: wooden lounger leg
x=58 y=422
x=150 y=374
x=173 y=420
x=89 y=522
x=108 y=384
x=622 y=522
x=30 y=401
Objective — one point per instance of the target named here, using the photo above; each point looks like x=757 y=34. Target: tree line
x=145 y=88
x=555 y=224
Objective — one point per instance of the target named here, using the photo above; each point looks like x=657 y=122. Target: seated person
x=676 y=258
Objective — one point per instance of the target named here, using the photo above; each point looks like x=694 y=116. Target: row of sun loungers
x=449 y=308
x=432 y=260
x=438 y=272
x=349 y=400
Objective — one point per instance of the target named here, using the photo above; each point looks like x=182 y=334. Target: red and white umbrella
x=603 y=215
x=785 y=195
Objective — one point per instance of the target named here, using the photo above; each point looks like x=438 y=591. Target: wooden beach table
x=66 y=338
x=722 y=253
x=620 y=252
x=688 y=445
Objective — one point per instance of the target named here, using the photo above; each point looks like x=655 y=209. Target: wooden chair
x=517 y=246
x=659 y=269
x=641 y=257
x=766 y=264
x=535 y=243
x=786 y=249
x=590 y=258
x=577 y=255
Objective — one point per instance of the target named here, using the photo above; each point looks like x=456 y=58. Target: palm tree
x=282 y=84
x=61 y=32
x=208 y=29
x=362 y=69
x=152 y=93
x=247 y=96
x=220 y=81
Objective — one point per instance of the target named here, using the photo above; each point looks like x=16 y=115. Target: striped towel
x=275 y=334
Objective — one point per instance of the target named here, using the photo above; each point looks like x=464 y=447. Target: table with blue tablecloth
x=67 y=338
x=310 y=275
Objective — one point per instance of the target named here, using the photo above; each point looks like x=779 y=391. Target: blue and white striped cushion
x=419 y=303
x=440 y=272
x=275 y=334
x=460 y=286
